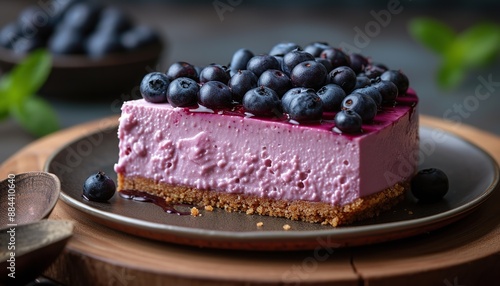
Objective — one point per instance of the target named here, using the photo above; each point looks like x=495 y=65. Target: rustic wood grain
x=464 y=253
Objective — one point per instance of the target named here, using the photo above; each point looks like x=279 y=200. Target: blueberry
x=66 y=41
x=241 y=82
x=316 y=48
x=306 y=106
x=275 y=80
x=183 y=92
x=429 y=185
x=348 y=121
x=98 y=187
x=260 y=63
x=262 y=101
x=398 y=78
x=293 y=58
x=138 y=37
x=326 y=63
x=182 y=69
x=371 y=92
x=214 y=72
x=154 y=87
x=362 y=81
x=343 y=76
x=281 y=49
x=373 y=71
x=35 y=22
x=9 y=34
x=102 y=43
x=309 y=74
x=388 y=90
x=215 y=94
x=358 y=62
x=240 y=60
x=114 y=20
x=332 y=96
x=362 y=104
x=291 y=94
x=81 y=17
x=336 y=56
x=25 y=45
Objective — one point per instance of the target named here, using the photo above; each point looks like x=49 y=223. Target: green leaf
x=4 y=97
x=431 y=33
x=29 y=76
x=476 y=46
x=35 y=115
x=450 y=74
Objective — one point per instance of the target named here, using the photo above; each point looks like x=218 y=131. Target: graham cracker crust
x=314 y=212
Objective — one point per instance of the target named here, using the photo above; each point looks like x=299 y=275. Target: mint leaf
x=476 y=46
x=35 y=115
x=4 y=97
x=450 y=74
x=29 y=76
x=433 y=34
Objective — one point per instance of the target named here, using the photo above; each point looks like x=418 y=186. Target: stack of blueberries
x=70 y=27
x=300 y=83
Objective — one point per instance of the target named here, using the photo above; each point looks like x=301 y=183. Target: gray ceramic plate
x=473 y=175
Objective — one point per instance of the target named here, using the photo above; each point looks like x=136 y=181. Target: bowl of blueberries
x=97 y=50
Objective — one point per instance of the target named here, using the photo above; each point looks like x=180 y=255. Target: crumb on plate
x=209 y=208
x=260 y=224
x=194 y=211
x=287 y=227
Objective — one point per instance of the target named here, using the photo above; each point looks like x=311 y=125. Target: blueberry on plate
x=241 y=82
x=332 y=96
x=348 y=121
x=429 y=185
x=262 y=101
x=215 y=94
x=310 y=74
x=183 y=92
x=362 y=104
x=154 y=87
x=99 y=187
x=343 y=76
x=305 y=107
x=398 y=78
x=275 y=80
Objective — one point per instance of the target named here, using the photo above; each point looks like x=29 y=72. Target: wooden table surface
x=464 y=253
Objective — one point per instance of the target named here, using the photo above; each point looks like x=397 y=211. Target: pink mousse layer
x=271 y=158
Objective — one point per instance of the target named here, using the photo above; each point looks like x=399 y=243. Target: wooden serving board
x=464 y=253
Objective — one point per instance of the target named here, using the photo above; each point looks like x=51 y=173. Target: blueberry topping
x=343 y=76
x=154 y=87
x=373 y=71
x=316 y=48
x=362 y=104
x=291 y=94
x=215 y=94
x=358 y=62
x=275 y=80
x=283 y=48
x=183 y=92
x=309 y=74
x=293 y=58
x=241 y=82
x=398 y=78
x=336 y=56
x=99 y=187
x=262 y=101
x=214 y=72
x=429 y=185
x=388 y=90
x=182 y=69
x=348 y=121
x=260 y=63
x=332 y=96
x=326 y=63
x=371 y=92
x=362 y=81
x=240 y=60
x=306 y=106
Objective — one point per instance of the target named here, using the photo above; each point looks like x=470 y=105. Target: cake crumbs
x=209 y=208
x=260 y=224
x=410 y=212
x=194 y=211
x=287 y=227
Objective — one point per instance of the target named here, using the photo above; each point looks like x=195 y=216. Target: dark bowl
x=78 y=77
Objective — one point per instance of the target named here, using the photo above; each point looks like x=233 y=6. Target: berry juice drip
x=139 y=196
